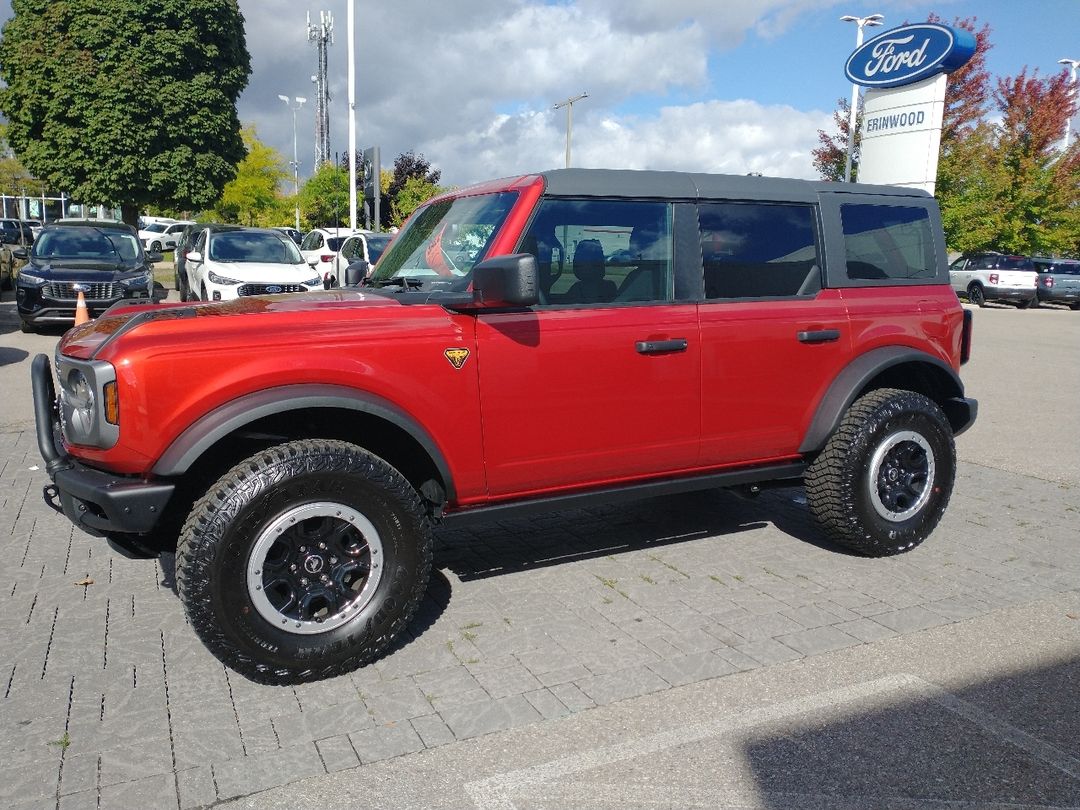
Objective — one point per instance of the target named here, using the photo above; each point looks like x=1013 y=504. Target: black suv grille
x=65 y=291
x=269 y=289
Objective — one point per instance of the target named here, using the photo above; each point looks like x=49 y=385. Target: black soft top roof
x=689 y=185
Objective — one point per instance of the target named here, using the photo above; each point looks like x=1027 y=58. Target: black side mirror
x=506 y=281
x=20 y=253
x=154 y=258
x=356 y=272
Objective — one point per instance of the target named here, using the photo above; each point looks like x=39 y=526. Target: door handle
x=818 y=336
x=661 y=346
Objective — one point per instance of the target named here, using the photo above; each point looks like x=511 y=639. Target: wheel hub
x=901 y=475
x=314 y=567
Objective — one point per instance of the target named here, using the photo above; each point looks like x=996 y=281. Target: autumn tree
x=831 y=155
x=408 y=166
x=126 y=102
x=253 y=197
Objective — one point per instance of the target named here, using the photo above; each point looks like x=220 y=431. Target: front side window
x=602 y=251
x=444 y=239
x=888 y=242
x=758 y=250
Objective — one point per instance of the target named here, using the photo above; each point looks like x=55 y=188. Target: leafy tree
x=831 y=155
x=252 y=197
x=324 y=198
x=408 y=165
x=126 y=102
x=415 y=191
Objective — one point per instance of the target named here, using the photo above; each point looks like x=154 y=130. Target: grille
x=260 y=289
x=64 y=291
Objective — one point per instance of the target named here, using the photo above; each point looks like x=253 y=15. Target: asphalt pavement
x=692 y=651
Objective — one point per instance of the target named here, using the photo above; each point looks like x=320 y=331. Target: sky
x=729 y=86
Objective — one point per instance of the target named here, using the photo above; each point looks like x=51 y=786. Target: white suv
x=983 y=277
x=227 y=263
x=323 y=245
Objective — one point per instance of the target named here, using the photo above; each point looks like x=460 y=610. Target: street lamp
x=569 y=104
x=861 y=22
x=295 y=163
x=1073 y=65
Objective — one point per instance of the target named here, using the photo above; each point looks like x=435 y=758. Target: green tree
x=415 y=191
x=126 y=102
x=324 y=198
x=252 y=197
x=407 y=165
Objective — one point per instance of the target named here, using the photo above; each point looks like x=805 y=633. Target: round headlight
x=81 y=397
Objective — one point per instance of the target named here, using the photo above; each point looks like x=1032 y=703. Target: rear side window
x=887 y=242
x=758 y=250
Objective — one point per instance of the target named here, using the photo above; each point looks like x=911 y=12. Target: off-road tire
x=976 y=295
x=841 y=481
x=224 y=527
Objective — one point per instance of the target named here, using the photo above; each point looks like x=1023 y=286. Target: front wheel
x=155 y=247
x=305 y=561
x=883 y=481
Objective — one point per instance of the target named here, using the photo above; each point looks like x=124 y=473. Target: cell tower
x=322 y=34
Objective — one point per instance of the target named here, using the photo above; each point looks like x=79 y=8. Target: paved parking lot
x=109 y=700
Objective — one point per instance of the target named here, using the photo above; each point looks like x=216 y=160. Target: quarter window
x=758 y=250
x=888 y=242
x=596 y=252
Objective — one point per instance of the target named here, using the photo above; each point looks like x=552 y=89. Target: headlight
x=144 y=280
x=81 y=398
x=216 y=279
x=30 y=278
x=89 y=404
x=312 y=282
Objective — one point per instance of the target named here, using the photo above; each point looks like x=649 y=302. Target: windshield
x=253 y=246
x=376 y=245
x=87 y=244
x=445 y=239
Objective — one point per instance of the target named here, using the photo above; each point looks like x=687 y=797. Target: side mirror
x=194 y=256
x=159 y=294
x=20 y=253
x=356 y=272
x=314 y=260
x=506 y=281
x=153 y=258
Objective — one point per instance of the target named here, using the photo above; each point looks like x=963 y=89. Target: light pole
x=295 y=163
x=1073 y=65
x=569 y=104
x=861 y=22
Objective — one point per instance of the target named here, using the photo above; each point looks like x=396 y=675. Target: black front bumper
x=96 y=501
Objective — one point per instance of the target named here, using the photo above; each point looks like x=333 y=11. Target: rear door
x=600 y=382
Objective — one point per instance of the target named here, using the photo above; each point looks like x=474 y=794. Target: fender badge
x=457 y=357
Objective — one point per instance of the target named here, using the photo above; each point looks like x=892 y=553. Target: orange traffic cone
x=82 y=314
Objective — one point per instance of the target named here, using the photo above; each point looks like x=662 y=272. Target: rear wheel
x=305 y=561
x=976 y=295
x=1025 y=304
x=883 y=481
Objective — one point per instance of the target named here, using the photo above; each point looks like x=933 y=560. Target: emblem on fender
x=457 y=357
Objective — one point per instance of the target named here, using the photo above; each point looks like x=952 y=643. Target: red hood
x=83 y=341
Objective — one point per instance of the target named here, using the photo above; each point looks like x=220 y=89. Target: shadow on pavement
x=9 y=356
x=1004 y=742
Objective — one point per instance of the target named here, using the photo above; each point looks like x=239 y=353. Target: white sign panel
x=901 y=134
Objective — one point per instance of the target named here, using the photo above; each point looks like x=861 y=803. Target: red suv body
x=537 y=342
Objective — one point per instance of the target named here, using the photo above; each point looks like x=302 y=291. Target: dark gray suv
x=1059 y=281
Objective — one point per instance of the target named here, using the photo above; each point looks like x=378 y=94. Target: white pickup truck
x=983 y=277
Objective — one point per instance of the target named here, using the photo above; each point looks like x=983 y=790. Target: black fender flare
x=854 y=377
x=203 y=434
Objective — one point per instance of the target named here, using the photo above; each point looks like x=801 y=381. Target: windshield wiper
x=405 y=282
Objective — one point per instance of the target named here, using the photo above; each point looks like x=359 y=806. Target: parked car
x=232 y=262
x=323 y=244
x=184 y=244
x=16 y=232
x=160 y=236
x=103 y=260
x=292 y=233
x=360 y=252
x=983 y=277
x=35 y=226
x=1059 y=281
x=547 y=341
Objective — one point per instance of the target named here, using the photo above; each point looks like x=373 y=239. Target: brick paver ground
x=108 y=699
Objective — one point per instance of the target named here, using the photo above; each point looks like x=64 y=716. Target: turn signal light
x=112 y=404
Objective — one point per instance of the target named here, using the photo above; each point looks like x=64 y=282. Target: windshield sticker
x=457 y=357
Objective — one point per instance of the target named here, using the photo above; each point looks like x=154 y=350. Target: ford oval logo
x=273 y=288
x=909 y=54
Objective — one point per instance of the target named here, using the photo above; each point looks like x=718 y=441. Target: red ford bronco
x=534 y=343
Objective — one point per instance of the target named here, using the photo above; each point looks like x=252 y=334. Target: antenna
x=322 y=34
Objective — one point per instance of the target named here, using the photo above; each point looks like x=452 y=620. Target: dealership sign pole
x=905 y=72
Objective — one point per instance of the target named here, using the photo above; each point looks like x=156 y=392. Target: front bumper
x=36 y=308
x=96 y=501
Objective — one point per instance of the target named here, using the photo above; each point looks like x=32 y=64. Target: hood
x=75 y=270
x=86 y=341
x=254 y=272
